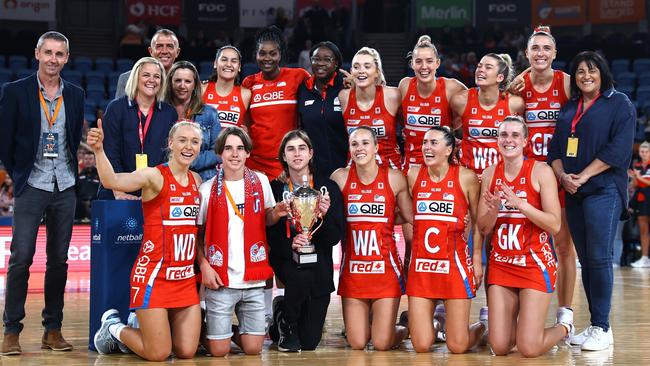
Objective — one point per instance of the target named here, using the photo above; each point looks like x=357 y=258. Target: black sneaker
x=289 y=341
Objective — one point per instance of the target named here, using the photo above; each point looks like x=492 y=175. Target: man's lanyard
x=50 y=119
x=232 y=202
x=580 y=113
x=143 y=129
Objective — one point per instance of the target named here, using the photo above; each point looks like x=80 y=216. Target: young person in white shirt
x=235 y=207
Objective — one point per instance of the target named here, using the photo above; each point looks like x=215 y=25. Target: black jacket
x=322 y=119
x=318 y=278
x=20 y=123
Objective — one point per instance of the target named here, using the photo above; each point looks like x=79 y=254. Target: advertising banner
x=43 y=10
x=510 y=12
x=260 y=13
x=616 y=11
x=117 y=229
x=439 y=13
x=558 y=12
x=159 y=12
x=223 y=12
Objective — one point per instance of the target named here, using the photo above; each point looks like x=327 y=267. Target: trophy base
x=305 y=259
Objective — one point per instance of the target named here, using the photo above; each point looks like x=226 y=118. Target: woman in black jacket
x=320 y=113
x=300 y=315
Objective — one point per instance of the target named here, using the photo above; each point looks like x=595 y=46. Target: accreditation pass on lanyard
x=50 y=139
x=572 y=143
x=141 y=159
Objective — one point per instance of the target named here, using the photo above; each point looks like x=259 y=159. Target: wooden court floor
x=630 y=319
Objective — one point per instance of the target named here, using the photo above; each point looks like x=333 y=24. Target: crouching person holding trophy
x=301 y=247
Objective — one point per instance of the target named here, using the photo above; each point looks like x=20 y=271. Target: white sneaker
x=597 y=340
x=581 y=337
x=643 y=262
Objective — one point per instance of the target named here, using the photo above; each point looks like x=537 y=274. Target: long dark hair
x=215 y=75
x=291 y=135
x=450 y=139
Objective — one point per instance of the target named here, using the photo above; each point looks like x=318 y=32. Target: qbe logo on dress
x=183 y=211
x=366 y=209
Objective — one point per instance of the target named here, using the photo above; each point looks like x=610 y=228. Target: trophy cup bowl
x=304 y=213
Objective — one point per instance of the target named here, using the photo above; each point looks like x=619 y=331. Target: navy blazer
x=21 y=126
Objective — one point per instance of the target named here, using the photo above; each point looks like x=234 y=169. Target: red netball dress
x=542 y=110
x=273 y=111
x=441 y=263
x=381 y=121
x=522 y=255
x=479 y=147
x=420 y=114
x=231 y=108
x=371 y=267
x=163 y=273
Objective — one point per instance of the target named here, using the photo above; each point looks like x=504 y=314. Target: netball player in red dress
x=371 y=273
x=520 y=205
x=425 y=103
x=163 y=287
x=223 y=92
x=373 y=104
x=482 y=108
x=545 y=91
x=273 y=108
x=425 y=100
x=442 y=266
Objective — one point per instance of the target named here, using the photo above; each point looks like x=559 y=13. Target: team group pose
x=472 y=177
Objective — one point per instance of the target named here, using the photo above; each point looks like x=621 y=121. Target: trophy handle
x=286 y=197
x=313 y=230
x=323 y=190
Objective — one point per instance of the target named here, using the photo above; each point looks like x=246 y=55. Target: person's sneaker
x=483 y=319
x=440 y=315
x=104 y=342
x=564 y=318
x=289 y=341
x=581 y=337
x=643 y=262
x=597 y=340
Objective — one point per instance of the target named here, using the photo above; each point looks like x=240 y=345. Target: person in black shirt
x=300 y=315
x=320 y=111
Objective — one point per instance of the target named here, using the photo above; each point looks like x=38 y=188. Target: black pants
x=59 y=208
x=307 y=315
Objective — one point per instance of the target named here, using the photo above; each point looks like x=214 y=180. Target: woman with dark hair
x=223 y=91
x=183 y=92
x=519 y=208
x=442 y=266
x=273 y=110
x=299 y=315
x=320 y=110
x=590 y=153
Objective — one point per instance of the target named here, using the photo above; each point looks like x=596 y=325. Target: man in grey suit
x=164 y=47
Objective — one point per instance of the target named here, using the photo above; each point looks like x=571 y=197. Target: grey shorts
x=247 y=304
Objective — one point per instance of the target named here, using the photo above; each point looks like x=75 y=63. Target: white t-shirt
x=236 y=259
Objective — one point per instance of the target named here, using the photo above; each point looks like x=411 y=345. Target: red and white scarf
x=216 y=238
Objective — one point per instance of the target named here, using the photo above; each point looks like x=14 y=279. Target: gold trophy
x=303 y=213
